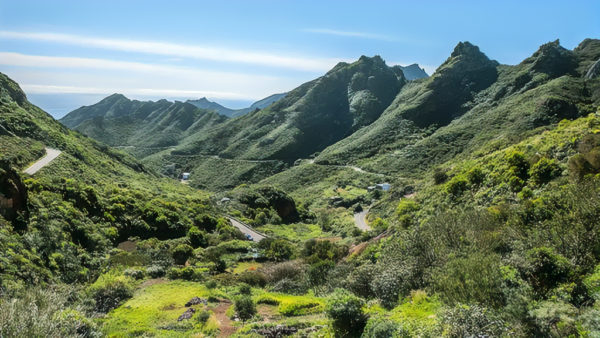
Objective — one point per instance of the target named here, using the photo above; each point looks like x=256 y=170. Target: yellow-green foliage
x=407 y=206
x=156 y=307
x=293 y=305
x=417 y=310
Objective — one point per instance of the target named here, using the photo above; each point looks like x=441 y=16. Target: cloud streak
x=350 y=34
x=48 y=89
x=52 y=74
x=187 y=51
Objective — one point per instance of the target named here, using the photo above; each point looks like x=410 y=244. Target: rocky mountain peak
x=553 y=59
x=466 y=48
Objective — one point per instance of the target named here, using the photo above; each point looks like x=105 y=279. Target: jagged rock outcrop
x=13 y=188
x=277 y=331
x=196 y=301
x=554 y=60
x=594 y=71
x=187 y=314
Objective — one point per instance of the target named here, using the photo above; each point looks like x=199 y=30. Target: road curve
x=246 y=229
x=360 y=218
x=51 y=154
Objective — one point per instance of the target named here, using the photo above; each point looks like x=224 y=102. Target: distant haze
x=58 y=105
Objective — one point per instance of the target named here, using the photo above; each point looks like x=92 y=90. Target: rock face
x=465 y=72
x=187 y=314
x=277 y=331
x=12 y=187
x=196 y=301
x=554 y=60
x=594 y=71
x=413 y=72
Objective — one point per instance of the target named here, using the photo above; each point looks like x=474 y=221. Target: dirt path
x=226 y=328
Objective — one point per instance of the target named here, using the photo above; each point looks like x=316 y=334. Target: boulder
x=187 y=314
x=196 y=301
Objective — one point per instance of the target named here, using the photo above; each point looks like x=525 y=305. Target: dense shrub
x=544 y=171
x=52 y=312
x=245 y=289
x=473 y=279
x=253 y=278
x=109 y=291
x=292 y=270
x=135 y=273
x=382 y=328
x=197 y=237
x=202 y=317
x=279 y=250
x=245 y=308
x=186 y=273
x=181 y=253
x=346 y=313
x=472 y=321
x=546 y=269
x=457 y=185
x=439 y=176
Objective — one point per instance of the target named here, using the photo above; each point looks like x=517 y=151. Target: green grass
x=291 y=306
x=155 y=307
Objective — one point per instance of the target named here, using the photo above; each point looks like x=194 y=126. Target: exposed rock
x=12 y=187
x=277 y=331
x=594 y=70
x=553 y=60
x=187 y=314
x=196 y=301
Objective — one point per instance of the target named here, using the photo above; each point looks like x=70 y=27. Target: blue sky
x=69 y=53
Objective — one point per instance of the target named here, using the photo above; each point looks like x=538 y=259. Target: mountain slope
x=261 y=104
x=483 y=101
x=413 y=72
x=309 y=118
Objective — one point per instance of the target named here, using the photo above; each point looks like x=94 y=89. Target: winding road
x=51 y=154
x=256 y=237
x=360 y=218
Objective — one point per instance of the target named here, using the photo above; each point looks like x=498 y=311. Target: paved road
x=247 y=230
x=51 y=154
x=360 y=218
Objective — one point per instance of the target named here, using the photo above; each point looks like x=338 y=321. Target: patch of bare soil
x=226 y=328
x=151 y=282
x=127 y=246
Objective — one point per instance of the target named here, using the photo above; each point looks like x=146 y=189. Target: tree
x=182 y=253
x=213 y=254
x=197 y=237
x=245 y=308
x=279 y=250
x=346 y=313
x=317 y=274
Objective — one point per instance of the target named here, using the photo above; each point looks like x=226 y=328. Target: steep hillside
x=206 y=104
x=151 y=125
x=113 y=106
x=413 y=72
x=468 y=105
x=66 y=218
x=309 y=118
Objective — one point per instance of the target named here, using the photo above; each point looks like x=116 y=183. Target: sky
x=66 y=54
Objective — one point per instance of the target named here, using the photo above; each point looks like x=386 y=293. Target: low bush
x=109 y=291
x=346 y=313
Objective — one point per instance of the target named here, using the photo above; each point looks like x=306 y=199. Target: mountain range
x=362 y=113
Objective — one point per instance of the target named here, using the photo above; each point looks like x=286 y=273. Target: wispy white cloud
x=186 y=51
x=49 y=89
x=50 y=74
x=350 y=34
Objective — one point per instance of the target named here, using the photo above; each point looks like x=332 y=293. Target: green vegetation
x=491 y=226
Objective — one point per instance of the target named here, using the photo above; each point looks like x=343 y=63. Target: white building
x=185 y=177
x=383 y=186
